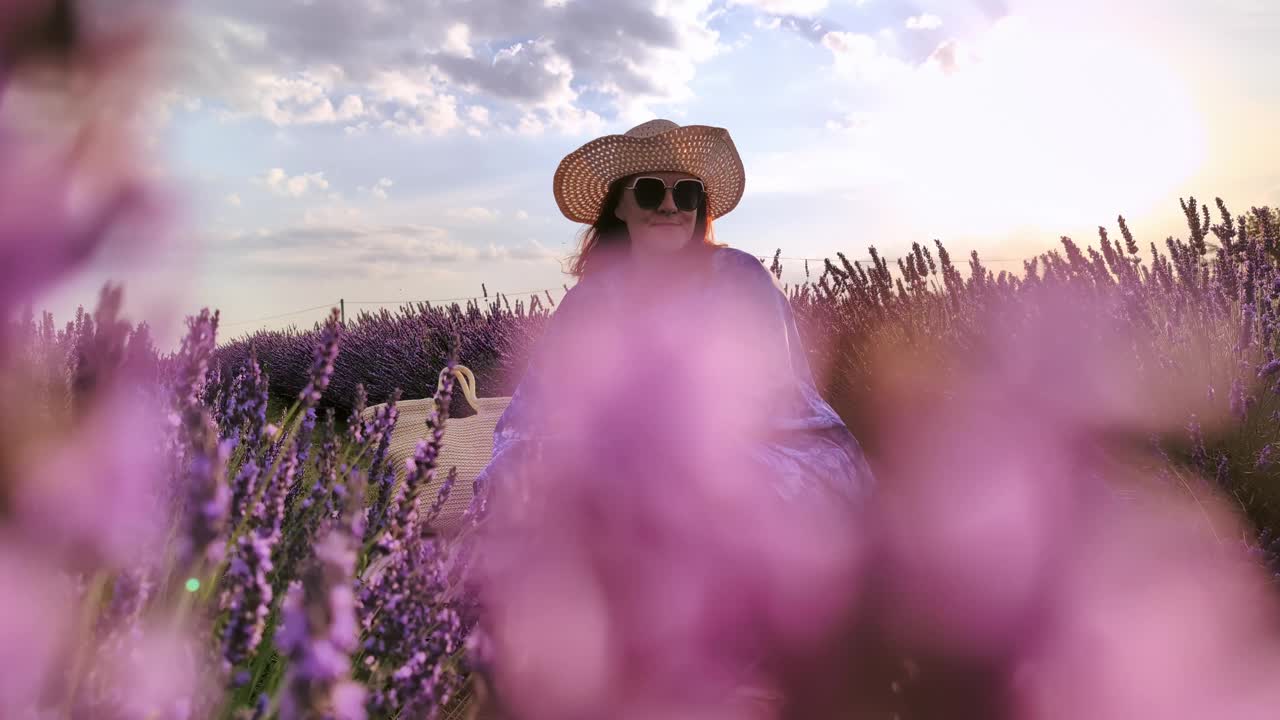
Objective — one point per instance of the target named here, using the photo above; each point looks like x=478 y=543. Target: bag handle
x=467 y=380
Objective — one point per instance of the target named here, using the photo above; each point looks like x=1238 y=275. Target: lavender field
x=175 y=548
x=1076 y=512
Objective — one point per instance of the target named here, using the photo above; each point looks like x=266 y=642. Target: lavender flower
x=302 y=443
x=356 y=421
x=326 y=352
x=442 y=496
x=413 y=649
x=377 y=431
x=1239 y=403
x=402 y=520
x=325 y=492
x=319 y=633
x=246 y=598
x=247 y=404
x=207 y=497
x=269 y=511
x=1269 y=369
x=248 y=592
x=199 y=484
x=193 y=359
x=1264 y=459
x=1199 y=455
x=1222 y=474
x=243 y=489
x=129 y=595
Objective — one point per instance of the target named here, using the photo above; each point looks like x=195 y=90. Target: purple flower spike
x=193 y=366
x=1269 y=369
x=243 y=488
x=1239 y=402
x=247 y=404
x=326 y=352
x=413 y=648
x=208 y=500
x=442 y=496
x=319 y=631
x=355 y=423
x=403 y=511
x=247 y=599
x=1265 y=457
x=324 y=491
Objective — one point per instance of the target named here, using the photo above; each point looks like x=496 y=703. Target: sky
x=381 y=151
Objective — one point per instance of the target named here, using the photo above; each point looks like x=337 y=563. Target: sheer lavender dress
x=807 y=450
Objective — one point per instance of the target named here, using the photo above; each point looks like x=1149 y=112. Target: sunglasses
x=651 y=191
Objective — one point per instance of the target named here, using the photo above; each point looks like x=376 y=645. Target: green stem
x=88 y=613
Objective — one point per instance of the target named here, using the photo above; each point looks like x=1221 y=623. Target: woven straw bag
x=467 y=446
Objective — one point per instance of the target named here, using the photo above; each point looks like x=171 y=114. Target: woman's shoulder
x=590 y=292
x=741 y=266
x=592 y=284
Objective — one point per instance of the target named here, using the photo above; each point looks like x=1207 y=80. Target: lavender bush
x=385 y=351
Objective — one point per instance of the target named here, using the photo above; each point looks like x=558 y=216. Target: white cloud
x=417 y=104
x=924 y=22
x=380 y=188
x=472 y=214
x=802 y=8
x=458 y=41
x=281 y=183
x=319 y=63
x=364 y=250
x=948 y=57
x=331 y=215
x=860 y=57
x=531 y=250
x=522 y=215
x=767 y=23
x=851 y=122
x=303 y=99
x=479 y=117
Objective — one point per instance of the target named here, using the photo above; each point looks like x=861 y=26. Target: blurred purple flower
x=37 y=617
x=150 y=670
x=92 y=496
x=646 y=562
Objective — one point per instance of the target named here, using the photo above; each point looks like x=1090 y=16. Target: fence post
x=342 y=310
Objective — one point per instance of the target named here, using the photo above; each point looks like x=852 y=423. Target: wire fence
x=343 y=302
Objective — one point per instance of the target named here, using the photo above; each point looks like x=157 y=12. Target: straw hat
x=707 y=153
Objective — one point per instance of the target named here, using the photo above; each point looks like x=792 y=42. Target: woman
x=670 y=501
x=656 y=292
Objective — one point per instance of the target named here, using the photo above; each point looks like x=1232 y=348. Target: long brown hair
x=606 y=241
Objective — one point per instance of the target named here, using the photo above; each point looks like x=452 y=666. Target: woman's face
x=662 y=230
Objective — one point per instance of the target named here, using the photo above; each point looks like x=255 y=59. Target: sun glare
x=1032 y=127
